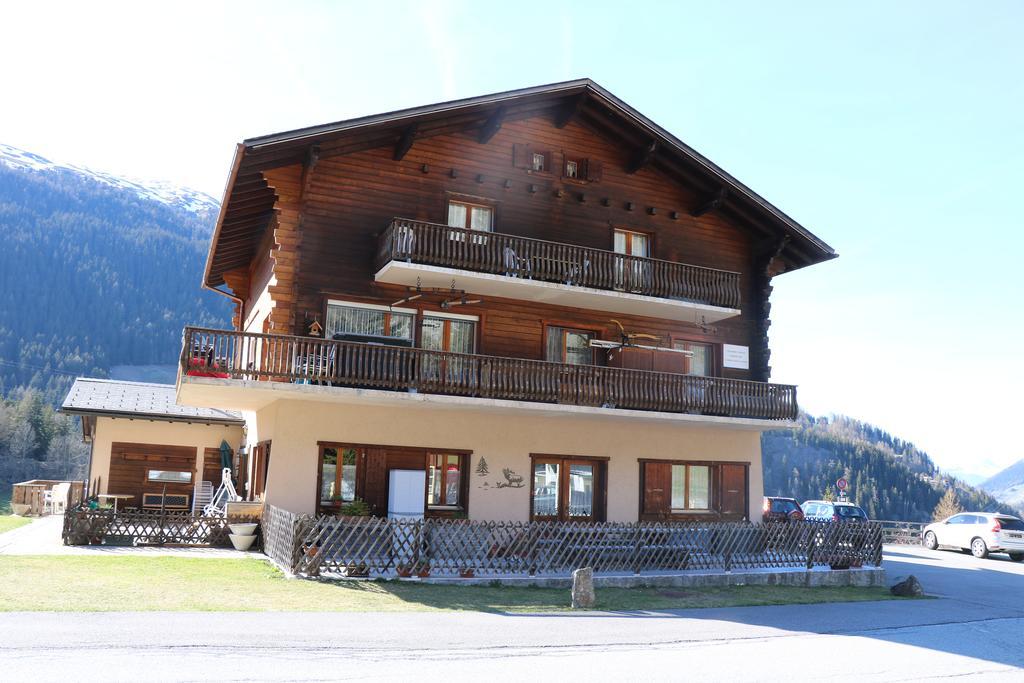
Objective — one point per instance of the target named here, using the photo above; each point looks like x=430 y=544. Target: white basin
x=242 y=542
x=243 y=529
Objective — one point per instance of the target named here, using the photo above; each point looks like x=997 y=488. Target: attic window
x=581 y=168
x=530 y=159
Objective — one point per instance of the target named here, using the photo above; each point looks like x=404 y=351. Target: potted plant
x=356 y=508
x=357 y=570
x=424 y=570
x=467 y=572
x=404 y=570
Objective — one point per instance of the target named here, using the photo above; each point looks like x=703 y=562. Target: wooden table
x=115 y=497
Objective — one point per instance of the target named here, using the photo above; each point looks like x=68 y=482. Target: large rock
x=583 y=588
x=910 y=587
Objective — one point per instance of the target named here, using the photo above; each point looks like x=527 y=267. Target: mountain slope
x=890 y=478
x=1007 y=485
x=96 y=271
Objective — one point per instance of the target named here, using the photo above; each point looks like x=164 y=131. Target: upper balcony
x=494 y=264
x=233 y=368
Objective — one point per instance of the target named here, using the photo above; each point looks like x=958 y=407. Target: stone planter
x=246 y=529
x=242 y=542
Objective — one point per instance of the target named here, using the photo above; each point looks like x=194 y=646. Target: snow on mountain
x=161 y=191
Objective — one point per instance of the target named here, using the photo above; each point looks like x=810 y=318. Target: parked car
x=980 y=532
x=833 y=511
x=778 y=509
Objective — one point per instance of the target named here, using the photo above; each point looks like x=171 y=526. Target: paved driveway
x=973 y=630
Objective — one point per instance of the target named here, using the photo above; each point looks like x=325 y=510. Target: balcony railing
x=523 y=257
x=249 y=356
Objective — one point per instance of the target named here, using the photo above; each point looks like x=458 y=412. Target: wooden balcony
x=250 y=356
x=622 y=282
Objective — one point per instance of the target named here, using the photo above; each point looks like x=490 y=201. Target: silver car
x=980 y=532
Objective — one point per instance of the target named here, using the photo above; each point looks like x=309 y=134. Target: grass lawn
x=176 y=583
x=8 y=522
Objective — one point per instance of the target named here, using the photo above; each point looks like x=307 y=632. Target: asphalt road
x=974 y=630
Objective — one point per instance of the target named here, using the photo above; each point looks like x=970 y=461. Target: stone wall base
x=866 y=577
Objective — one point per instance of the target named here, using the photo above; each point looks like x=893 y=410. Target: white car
x=980 y=532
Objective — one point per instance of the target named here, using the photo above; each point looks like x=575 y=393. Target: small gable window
x=531 y=159
x=581 y=168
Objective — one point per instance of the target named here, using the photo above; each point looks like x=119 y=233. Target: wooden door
x=733 y=491
x=261 y=467
x=657 y=488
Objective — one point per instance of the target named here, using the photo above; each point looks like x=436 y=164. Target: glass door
x=631 y=274
x=454 y=335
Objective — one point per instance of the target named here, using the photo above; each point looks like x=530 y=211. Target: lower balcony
x=228 y=355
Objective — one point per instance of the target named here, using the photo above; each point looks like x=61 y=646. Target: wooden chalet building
x=542 y=301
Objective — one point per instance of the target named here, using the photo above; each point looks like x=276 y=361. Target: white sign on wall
x=734 y=356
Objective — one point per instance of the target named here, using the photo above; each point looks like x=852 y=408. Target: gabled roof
x=248 y=201
x=138 y=400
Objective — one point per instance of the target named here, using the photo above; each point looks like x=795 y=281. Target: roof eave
x=157 y=417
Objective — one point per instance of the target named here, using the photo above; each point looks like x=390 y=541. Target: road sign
x=841 y=484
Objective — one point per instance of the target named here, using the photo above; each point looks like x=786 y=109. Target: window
x=368 y=320
x=685 y=488
x=451 y=333
x=539 y=162
x=448 y=332
x=691 y=487
x=630 y=243
x=567 y=488
x=632 y=274
x=566 y=345
x=698 y=360
x=337 y=475
x=470 y=216
x=169 y=476
x=444 y=480
x=581 y=169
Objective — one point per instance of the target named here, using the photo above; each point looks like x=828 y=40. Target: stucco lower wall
x=504 y=441
x=110 y=430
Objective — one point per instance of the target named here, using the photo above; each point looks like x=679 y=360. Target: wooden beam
x=492 y=125
x=404 y=143
x=642 y=157
x=711 y=203
x=568 y=111
x=312 y=157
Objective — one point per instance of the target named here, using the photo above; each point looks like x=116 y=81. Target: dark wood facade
x=130 y=464
x=349 y=200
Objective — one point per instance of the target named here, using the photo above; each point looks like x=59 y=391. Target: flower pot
x=404 y=572
x=20 y=509
x=467 y=573
x=243 y=529
x=241 y=542
x=423 y=573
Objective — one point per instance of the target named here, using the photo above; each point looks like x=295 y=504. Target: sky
x=893 y=131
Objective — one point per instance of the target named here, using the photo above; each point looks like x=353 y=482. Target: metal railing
x=524 y=257
x=371 y=546
x=251 y=356
x=902 y=533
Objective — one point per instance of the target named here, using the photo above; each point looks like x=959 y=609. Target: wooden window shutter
x=522 y=156
x=657 y=490
x=733 y=491
x=594 y=170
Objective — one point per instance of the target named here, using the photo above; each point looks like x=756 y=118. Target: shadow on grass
x=634 y=602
